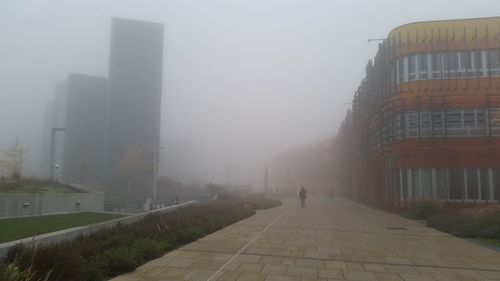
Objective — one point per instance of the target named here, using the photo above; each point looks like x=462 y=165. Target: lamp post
x=156 y=160
x=52 y=148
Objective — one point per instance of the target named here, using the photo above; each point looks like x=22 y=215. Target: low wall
x=33 y=204
x=72 y=233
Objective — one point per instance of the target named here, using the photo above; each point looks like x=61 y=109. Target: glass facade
x=447 y=65
x=450 y=184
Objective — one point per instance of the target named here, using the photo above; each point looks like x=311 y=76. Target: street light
x=156 y=160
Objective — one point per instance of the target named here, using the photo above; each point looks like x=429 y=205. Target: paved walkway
x=328 y=240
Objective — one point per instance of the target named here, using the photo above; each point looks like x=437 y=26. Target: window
x=401 y=72
x=457 y=184
x=442 y=183
x=399 y=129
x=436 y=65
x=425 y=124
x=416 y=182
x=413 y=66
x=484 y=184
x=394 y=79
x=452 y=65
x=479 y=123
x=469 y=118
x=494 y=62
x=422 y=66
x=463 y=65
x=494 y=120
x=496 y=183
x=453 y=119
x=411 y=124
x=445 y=58
x=405 y=69
x=404 y=183
x=426 y=183
x=476 y=66
x=437 y=123
x=472 y=184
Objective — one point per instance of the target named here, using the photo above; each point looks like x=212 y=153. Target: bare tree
x=12 y=161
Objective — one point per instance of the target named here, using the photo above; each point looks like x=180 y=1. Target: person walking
x=302 y=196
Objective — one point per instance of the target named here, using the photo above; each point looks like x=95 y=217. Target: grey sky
x=243 y=80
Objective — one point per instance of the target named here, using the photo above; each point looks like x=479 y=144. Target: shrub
x=12 y=272
x=121 y=249
x=115 y=261
x=464 y=226
x=423 y=209
x=148 y=249
x=189 y=234
x=70 y=265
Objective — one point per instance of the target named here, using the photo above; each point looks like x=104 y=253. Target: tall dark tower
x=134 y=105
x=85 y=129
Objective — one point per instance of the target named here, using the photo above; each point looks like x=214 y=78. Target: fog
x=242 y=80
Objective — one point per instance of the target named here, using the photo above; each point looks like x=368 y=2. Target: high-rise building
x=85 y=129
x=134 y=104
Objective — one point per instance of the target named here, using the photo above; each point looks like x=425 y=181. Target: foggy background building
x=85 y=129
x=54 y=116
x=134 y=108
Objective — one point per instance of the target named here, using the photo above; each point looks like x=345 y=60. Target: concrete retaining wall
x=32 y=204
x=72 y=233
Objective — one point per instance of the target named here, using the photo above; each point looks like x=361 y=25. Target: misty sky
x=243 y=80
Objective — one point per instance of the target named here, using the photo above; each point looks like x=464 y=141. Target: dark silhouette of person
x=302 y=196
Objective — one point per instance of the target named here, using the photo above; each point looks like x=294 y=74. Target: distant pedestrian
x=302 y=196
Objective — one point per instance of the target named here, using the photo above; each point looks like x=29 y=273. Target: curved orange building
x=425 y=121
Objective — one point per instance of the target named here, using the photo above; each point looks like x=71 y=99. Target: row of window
x=450 y=184
x=452 y=122
x=446 y=65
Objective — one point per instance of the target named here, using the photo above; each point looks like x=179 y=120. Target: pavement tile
x=248 y=258
x=358 y=275
x=250 y=276
x=250 y=267
x=270 y=260
x=336 y=264
x=229 y=276
x=272 y=277
x=274 y=269
x=301 y=271
x=386 y=276
x=330 y=273
x=373 y=267
x=310 y=263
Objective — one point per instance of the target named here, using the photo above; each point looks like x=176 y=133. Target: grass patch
x=492 y=242
x=17 y=228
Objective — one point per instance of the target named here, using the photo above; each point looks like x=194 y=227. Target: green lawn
x=17 y=228
x=492 y=242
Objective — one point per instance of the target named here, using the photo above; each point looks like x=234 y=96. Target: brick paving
x=330 y=239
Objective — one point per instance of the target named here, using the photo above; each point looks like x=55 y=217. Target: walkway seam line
x=246 y=246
